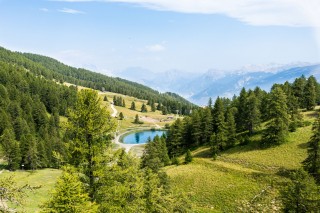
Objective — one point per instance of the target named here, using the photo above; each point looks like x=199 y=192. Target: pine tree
x=153 y=107
x=277 y=127
x=155 y=155
x=123 y=103
x=11 y=149
x=231 y=127
x=252 y=113
x=121 y=116
x=89 y=127
x=196 y=128
x=175 y=138
x=241 y=116
x=310 y=93
x=312 y=162
x=301 y=194
x=219 y=124
x=105 y=98
x=137 y=120
x=144 y=108
x=133 y=106
x=210 y=103
x=206 y=125
x=69 y=195
x=298 y=90
x=188 y=158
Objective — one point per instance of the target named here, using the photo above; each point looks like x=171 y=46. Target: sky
x=159 y=35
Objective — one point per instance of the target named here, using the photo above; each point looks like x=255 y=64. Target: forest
x=52 y=69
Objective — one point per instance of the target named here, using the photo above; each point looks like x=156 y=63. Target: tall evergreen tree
x=206 y=125
x=252 y=112
x=231 y=127
x=312 y=162
x=310 y=93
x=298 y=90
x=133 y=105
x=89 y=127
x=175 y=143
x=241 y=115
x=69 y=195
x=196 y=128
x=144 y=108
x=277 y=126
x=301 y=194
x=219 y=124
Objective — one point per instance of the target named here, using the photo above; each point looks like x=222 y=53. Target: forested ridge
x=55 y=70
x=95 y=178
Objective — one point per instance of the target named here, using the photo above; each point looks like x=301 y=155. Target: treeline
x=30 y=109
x=53 y=69
x=229 y=122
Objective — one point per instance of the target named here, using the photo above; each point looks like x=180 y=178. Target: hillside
x=55 y=70
x=243 y=177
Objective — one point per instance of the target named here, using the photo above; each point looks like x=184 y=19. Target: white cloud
x=71 y=11
x=253 y=12
x=44 y=9
x=155 y=48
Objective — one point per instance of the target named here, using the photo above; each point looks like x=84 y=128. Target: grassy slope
x=239 y=174
x=130 y=114
x=45 y=179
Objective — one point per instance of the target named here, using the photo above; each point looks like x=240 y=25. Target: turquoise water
x=141 y=137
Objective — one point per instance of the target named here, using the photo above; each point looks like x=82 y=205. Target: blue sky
x=159 y=35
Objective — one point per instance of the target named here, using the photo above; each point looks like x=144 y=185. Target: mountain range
x=199 y=87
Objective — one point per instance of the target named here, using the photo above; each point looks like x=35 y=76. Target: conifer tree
x=241 y=116
x=153 y=107
x=298 y=90
x=231 y=127
x=210 y=103
x=105 y=98
x=188 y=158
x=301 y=194
x=310 y=93
x=252 y=113
x=133 y=106
x=137 y=120
x=89 y=127
x=196 y=128
x=175 y=143
x=219 y=124
x=206 y=125
x=121 y=116
x=69 y=195
x=277 y=126
x=144 y=108
x=312 y=162
x=123 y=103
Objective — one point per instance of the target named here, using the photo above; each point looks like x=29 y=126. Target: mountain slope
x=55 y=70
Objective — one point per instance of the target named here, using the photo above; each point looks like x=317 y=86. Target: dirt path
x=115 y=111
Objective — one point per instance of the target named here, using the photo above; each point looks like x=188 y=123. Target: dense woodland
x=30 y=109
x=54 y=70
